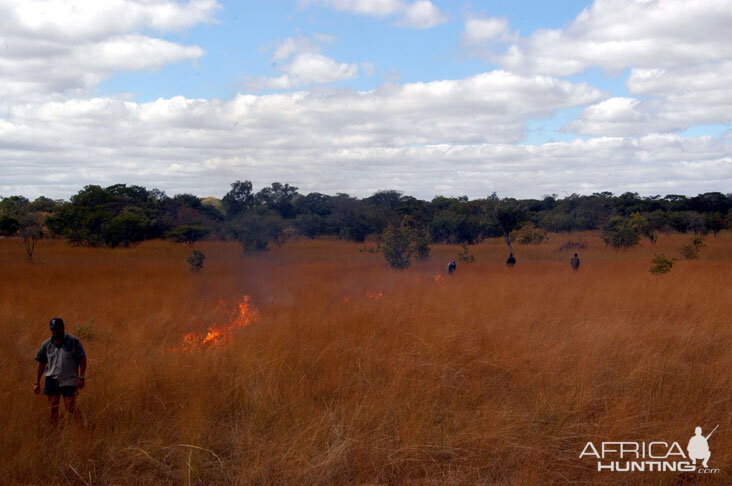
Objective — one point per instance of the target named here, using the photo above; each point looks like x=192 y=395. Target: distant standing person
x=451 y=267
x=575 y=262
x=511 y=261
x=63 y=360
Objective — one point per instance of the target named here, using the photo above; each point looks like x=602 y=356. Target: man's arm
x=39 y=372
x=82 y=372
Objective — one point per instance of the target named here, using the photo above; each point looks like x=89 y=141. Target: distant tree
x=658 y=220
x=621 y=233
x=529 y=234
x=31 y=231
x=641 y=224
x=420 y=238
x=510 y=215
x=125 y=229
x=397 y=247
x=277 y=197
x=557 y=222
x=186 y=200
x=213 y=203
x=111 y=216
x=9 y=225
x=238 y=199
x=257 y=227
x=385 y=200
x=350 y=218
x=43 y=204
x=188 y=233
x=715 y=222
x=399 y=243
x=14 y=206
x=697 y=223
x=311 y=225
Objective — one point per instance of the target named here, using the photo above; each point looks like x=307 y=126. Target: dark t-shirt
x=62 y=359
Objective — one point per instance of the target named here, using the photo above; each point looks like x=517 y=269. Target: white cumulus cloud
x=418 y=14
x=616 y=34
x=479 y=30
x=301 y=63
x=56 y=46
x=677 y=52
x=324 y=139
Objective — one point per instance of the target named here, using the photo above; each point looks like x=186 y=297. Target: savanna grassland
x=349 y=372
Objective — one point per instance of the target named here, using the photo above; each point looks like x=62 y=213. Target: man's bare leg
x=53 y=402
x=70 y=403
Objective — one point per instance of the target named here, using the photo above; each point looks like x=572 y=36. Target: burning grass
x=492 y=375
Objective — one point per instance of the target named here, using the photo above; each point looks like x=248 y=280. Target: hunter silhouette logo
x=698 y=447
x=653 y=456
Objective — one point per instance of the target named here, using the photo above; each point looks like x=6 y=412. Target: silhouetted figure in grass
x=63 y=360
x=451 y=267
x=574 y=262
x=511 y=261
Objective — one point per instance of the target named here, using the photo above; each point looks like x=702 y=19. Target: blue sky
x=429 y=97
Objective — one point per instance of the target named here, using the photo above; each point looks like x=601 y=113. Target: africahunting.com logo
x=653 y=456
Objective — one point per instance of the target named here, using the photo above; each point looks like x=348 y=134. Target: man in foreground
x=63 y=359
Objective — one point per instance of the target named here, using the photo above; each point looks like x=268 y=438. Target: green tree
x=9 y=225
x=238 y=199
x=188 y=233
x=277 y=197
x=31 y=230
x=529 y=234
x=715 y=222
x=621 y=233
x=397 y=246
x=510 y=215
x=399 y=243
x=642 y=226
x=256 y=228
x=125 y=229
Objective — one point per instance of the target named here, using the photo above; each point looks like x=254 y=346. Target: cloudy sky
x=429 y=97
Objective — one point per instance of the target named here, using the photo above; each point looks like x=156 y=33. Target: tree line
x=122 y=215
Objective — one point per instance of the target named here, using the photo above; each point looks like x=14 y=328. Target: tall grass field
x=315 y=363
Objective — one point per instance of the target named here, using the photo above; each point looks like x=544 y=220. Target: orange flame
x=374 y=295
x=217 y=333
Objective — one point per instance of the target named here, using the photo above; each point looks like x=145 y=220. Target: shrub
x=690 y=251
x=622 y=232
x=196 y=260
x=660 y=264
x=465 y=256
x=529 y=234
x=84 y=331
x=573 y=245
x=399 y=244
x=396 y=247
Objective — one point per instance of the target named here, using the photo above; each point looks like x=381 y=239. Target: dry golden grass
x=492 y=376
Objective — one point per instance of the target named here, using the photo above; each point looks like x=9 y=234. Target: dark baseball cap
x=56 y=323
